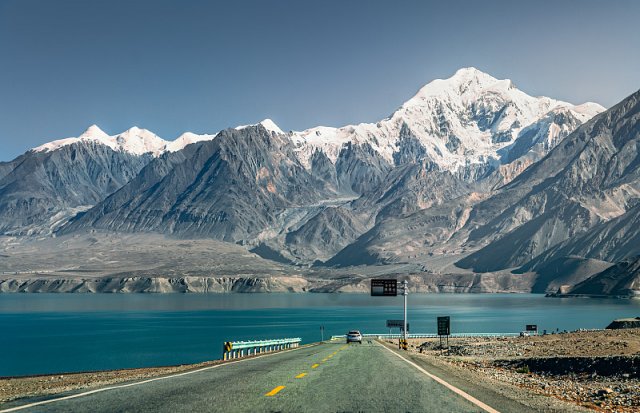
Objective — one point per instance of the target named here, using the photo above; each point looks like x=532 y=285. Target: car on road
x=354 y=336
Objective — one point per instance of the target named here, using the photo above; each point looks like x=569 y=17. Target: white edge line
x=122 y=386
x=451 y=387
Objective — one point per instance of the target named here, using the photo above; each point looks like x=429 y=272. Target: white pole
x=405 y=292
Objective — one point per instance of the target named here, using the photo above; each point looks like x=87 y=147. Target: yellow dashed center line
x=325 y=359
x=314 y=366
x=274 y=391
x=301 y=375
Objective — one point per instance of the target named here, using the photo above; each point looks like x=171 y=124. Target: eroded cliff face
x=155 y=285
x=441 y=283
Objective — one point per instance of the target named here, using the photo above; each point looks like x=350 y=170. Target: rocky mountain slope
x=591 y=177
x=622 y=279
x=41 y=190
x=232 y=188
x=579 y=200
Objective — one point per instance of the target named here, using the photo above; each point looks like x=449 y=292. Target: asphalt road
x=330 y=377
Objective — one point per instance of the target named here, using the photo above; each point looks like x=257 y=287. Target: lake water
x=50 y=333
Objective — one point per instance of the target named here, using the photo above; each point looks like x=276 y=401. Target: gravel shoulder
x=14 y=388
x=595 y=370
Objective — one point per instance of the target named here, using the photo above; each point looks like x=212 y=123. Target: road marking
x=451 y=387
x=313 y=367
x=122 y=386
x=274 y=391
x=325 y=359
x=301 y=375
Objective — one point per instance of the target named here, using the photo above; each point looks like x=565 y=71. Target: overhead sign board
x=395 y=323
x=444 y=326
x=532 y=327
x=384 y=288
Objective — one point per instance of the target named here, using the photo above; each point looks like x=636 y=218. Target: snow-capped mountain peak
x=271 y=126
x=268 y=124
x=139 y=141
x=93 y=132
x=465 y=119
x=465 y=81
x=470 y=118
x=134 y=140
x=187 y=138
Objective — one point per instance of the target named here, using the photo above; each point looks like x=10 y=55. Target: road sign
x=395 y=323
x=228 y=346
x=402 y=328
x=532 y=327
x=384 y=288
x=444 y=326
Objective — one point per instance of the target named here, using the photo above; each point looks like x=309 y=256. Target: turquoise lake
x=53 y=333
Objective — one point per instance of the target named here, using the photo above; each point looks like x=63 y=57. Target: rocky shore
x=599 y=370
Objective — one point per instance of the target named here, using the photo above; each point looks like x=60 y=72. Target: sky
x=202 y=66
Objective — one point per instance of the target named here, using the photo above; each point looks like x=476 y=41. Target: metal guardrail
x=454 y=335
x=237 y=349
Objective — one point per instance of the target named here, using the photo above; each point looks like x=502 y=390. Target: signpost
x=384 y=288
x=389 y=288
x=397 y=324
x=444 y=328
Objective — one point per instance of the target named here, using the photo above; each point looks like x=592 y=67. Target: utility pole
x=405 y=292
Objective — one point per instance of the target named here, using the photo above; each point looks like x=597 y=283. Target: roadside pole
x=405 y=292
x=389 y=288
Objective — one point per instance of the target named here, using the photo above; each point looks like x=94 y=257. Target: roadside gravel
x=599 y=370
x=34 y=386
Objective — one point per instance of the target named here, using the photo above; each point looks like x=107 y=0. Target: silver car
x=354 y=336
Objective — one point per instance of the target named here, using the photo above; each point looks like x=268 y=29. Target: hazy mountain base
x=119 y=263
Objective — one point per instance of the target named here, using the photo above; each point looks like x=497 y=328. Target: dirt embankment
x=599 y=370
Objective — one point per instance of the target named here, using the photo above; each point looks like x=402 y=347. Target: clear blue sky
x=173 y=66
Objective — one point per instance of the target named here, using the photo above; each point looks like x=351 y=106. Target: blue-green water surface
x=52 y=333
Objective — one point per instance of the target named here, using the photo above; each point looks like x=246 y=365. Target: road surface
x=329 y=377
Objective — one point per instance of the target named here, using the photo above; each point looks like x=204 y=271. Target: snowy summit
x=469 y=118
x=465 y=119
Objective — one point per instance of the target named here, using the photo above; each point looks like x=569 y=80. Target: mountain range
x=469 y=176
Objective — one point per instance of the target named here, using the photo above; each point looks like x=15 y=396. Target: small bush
x=524 y=369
